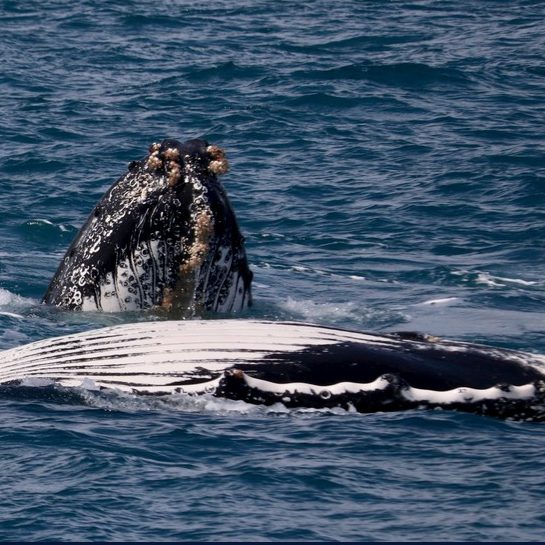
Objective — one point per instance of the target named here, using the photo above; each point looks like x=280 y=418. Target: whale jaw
x=164 y=237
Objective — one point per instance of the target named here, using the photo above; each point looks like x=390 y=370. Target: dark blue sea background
x=388 y=172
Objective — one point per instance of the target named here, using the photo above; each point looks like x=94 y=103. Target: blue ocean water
x=388 y=172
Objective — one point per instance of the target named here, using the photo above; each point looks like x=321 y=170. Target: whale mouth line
x=395 y=383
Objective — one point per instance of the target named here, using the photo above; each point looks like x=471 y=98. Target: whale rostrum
x=164 y=236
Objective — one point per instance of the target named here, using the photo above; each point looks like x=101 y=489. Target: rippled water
x=388 y=172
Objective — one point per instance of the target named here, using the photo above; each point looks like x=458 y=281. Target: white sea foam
x=12 y=300
x=488 y=280
x=310 y=310
x=500 y=281
x=43 y=221
x=515 y=281
x=113 y=400
x=11 y=315
x=39 y=221
x=492 y=280
x=441 y=301
x=36 y=382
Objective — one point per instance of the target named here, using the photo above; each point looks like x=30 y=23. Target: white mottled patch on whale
x=469 y=395
x=456 y=395
x=314 y=389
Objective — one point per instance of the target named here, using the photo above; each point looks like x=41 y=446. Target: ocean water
x=388 y=172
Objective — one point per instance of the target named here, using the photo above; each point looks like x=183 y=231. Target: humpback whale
x=164 y=236
x=294 y=364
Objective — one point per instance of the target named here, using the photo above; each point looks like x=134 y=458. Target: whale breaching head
x=164 y=236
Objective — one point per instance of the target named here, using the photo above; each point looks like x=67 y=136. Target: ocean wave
x=494 y=281
x=340 y=313
x=9 y=300
x=44 y=230
x=403 y=74
x=225 y=71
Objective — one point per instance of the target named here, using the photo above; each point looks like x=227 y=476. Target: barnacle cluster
x=182 y=295
x=169 y=159
x=173 y=168
x=202 y=231
x=219 y=164
x=154 y=160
